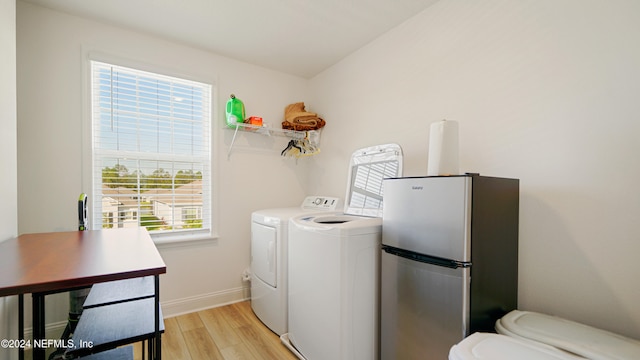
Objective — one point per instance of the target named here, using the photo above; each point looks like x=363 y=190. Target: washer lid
x=481 y=346
x=568 y=335
x=367 y=169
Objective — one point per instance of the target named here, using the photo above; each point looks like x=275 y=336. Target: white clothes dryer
x=269 y=229
x=334 y=266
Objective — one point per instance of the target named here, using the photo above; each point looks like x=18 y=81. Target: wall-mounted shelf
x=312 y=135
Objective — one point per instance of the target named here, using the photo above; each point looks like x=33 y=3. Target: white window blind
x=151 y=151
x=367 y=184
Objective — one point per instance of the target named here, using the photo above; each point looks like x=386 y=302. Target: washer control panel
x=320 y=203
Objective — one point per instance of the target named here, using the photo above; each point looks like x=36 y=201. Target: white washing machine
x=269 y=258
x=334 y=266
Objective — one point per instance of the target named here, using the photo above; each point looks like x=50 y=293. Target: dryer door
x=263 y=252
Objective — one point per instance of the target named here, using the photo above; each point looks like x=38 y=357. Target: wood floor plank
x=189 y=321
x=244 y=307
x=234 y=317
x=256 y=343
x=237 y=352
x=230 y=332
x=200 y=345
x=173 y=343
x=219 y=329
x=267 y=338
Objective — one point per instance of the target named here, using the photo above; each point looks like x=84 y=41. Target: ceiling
x=299 y=37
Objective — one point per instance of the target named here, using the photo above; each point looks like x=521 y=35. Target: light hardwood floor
x=230 y=332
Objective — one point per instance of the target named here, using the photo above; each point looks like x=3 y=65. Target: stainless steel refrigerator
x=449 y=263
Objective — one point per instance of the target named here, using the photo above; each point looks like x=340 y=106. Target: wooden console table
x=48 y=263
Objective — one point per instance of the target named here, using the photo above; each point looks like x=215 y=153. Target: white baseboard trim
x=191 y=304
x=51 y=331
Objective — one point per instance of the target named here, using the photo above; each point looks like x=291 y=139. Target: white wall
x=544 y=91
x=8 y=160
x=51 y=50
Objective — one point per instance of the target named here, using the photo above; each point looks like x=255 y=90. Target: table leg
x=38 y=325
x=21 y=325
x=158 y=335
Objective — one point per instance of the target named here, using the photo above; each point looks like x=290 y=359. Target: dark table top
x=50 y=262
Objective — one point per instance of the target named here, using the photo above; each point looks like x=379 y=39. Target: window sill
x=163 y=242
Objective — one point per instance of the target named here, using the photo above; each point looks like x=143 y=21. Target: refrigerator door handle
x=452 y=264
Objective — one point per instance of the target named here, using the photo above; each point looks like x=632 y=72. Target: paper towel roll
x=443 y=148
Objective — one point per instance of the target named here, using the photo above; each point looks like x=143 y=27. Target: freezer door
x=424 y=309
x=429 y=215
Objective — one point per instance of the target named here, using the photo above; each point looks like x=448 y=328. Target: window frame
x=180 y=237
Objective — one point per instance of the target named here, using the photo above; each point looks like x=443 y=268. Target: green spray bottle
x=235 y=111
